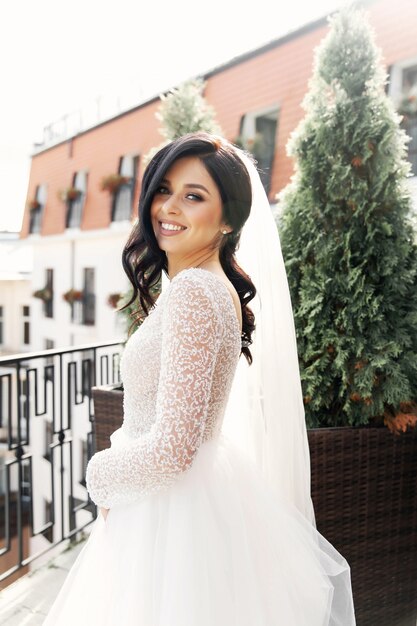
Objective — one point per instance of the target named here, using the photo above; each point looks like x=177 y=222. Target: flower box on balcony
x=44 y=294
x=113 y=300
x=72 y=295
x=254 y=144
x=113 y=182
x=70 y=194
x=34 y=205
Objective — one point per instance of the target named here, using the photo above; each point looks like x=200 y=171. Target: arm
x=191 y=337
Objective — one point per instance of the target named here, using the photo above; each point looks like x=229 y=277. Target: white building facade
x=88 y=262
x=16 y=264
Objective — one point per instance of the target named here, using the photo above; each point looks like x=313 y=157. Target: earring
x=224 y=232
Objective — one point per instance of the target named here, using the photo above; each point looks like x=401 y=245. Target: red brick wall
x=278 y=76
x=395 y=25
x=98 y=151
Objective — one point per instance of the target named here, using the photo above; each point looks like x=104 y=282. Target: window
x=258 y=134
x=48 y=371
x=23 y=394
x=403 y=90
x=123 y=197
x=87 y=372
x=76 y=205
x=89 y=299
x=1 y=325
x=26 y=480
x=48 y=439
x=36 y=211
x=49 y=303
x=48 y=532
x=2 y=476
x=26 y=324
x=409 y=122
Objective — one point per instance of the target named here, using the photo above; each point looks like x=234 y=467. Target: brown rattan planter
x=108 y=413
x=364 y=490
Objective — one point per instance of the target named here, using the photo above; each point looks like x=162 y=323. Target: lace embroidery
x=191 y=345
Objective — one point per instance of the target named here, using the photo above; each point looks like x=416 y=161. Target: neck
x=176 y=265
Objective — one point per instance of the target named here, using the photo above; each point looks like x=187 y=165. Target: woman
x=190 y=533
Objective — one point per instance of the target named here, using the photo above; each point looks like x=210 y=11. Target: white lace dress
x=193 y=537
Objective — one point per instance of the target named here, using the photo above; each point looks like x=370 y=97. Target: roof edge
x=241 y=58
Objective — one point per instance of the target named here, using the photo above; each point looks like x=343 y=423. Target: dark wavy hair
x=143 y=260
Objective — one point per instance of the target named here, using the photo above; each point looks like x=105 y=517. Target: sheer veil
x=264 y=415
x=265 y=412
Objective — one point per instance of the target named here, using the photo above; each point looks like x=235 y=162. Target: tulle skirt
x=214 y=549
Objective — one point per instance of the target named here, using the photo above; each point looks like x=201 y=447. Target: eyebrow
x=191 y=186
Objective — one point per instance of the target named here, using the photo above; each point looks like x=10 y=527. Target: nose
x=170 y=205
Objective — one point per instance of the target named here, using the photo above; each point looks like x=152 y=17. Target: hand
x=104 y=512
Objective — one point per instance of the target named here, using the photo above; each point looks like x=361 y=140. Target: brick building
x=81 y=240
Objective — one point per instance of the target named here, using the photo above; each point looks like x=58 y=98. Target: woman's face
x=187 y=197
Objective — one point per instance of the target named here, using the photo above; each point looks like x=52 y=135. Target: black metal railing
x=46 y=439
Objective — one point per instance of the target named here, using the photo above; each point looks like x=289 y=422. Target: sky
x=61 y=58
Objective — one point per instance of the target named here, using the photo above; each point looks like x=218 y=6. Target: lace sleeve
x=191 y=337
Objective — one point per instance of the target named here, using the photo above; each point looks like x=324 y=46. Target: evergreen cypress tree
x=348 y=240
x=184 y=110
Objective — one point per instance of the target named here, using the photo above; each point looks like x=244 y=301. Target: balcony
x=28 y=600
x=46 y=439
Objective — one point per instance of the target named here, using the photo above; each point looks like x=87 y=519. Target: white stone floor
x=26 y=602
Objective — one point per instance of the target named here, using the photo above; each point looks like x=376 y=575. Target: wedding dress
x=194 y=536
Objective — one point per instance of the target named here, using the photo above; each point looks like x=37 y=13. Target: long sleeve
x=192 y=331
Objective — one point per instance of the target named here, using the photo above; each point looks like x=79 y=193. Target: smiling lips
x=166 y=228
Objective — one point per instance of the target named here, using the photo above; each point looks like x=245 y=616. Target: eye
x=195 y=196
x=162 y=189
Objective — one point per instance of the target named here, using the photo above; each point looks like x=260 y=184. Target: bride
x=204 y=494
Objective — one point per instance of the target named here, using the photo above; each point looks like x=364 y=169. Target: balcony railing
x=46 y=440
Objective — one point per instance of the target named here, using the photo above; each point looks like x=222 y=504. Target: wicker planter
x=364 y=490
x=108 y=413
